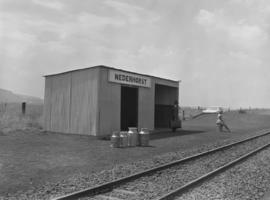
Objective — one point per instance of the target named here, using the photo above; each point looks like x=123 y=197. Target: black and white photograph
x=134 y=100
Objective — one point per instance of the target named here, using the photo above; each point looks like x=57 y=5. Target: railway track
x=174 y=178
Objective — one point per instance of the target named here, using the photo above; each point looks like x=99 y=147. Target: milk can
x=144 y=137
x=123 y=139
x=115 y=139
x=133 y=135
x=129 y=137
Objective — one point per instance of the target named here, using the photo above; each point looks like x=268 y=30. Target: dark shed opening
x=165 y=97
x=129 y=107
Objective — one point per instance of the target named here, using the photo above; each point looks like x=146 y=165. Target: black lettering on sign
x=144 y=81
x=130 y=79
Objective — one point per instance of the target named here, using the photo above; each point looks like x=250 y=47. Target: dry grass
x=11 y=117
x=32 y=159
x=189 y=112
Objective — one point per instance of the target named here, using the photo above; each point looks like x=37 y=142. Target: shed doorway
x=129 y=107
x=165 y=96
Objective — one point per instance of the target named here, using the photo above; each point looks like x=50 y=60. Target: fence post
x=23 y=107
x=183 y=115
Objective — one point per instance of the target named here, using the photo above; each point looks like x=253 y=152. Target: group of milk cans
x=130 y=138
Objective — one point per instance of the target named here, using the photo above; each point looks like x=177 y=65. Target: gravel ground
x=164 y=181
x=80 y=181
x=246 y=181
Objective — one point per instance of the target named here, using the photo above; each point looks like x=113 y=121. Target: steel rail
x=179 y=191
x=109 y=185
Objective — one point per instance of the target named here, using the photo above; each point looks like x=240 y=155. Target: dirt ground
x=33 y=158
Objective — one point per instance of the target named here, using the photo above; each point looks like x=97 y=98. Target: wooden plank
x=60 y=103
x=146 y=107
x=83 y=119
x=109 y=105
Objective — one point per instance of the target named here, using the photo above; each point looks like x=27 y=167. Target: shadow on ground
x=178 y=133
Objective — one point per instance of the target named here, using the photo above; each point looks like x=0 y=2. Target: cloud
x=242 y=58
x=248 y=35
x=15 y=43
x=88 y=20
x=207 y=45
x=239 y=32
x=50 y=4
x=256 y=10
x=133 y=14
x=206 y=18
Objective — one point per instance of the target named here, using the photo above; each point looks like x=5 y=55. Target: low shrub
x=241 y=111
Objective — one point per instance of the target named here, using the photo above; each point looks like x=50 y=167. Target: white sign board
x=129 y=78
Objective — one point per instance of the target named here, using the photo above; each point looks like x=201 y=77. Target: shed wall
x=71 y=102
x=47 y=104
x=109 y=104
x=146 y=107
x=84 y=102
x=166 y=82
x=165 y=95
x=60 y=103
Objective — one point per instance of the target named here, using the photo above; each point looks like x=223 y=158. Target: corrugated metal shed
x=86 y=101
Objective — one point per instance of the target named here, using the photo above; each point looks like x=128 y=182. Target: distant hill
x=7 y=96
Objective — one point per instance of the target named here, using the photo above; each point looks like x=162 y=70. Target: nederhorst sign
x=129 y=78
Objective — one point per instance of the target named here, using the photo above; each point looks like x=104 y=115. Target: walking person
x=175 y=121
x=175 y=111
x=221 y=123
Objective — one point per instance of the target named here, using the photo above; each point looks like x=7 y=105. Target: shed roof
x=103 y=66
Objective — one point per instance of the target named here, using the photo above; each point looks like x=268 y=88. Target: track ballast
x=158 y=182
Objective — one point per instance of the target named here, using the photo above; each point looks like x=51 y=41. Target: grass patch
x=11 y=117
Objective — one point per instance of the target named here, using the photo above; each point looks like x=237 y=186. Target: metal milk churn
x=129 y=136
x=123 y=139
x=133 y=133
x=144 y=137
x=115 y=139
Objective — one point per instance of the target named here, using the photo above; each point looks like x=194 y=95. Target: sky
x=218 y=49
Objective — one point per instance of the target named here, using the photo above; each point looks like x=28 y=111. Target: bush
x=241 y=111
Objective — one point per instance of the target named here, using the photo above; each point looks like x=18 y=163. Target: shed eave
x=107 y=67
